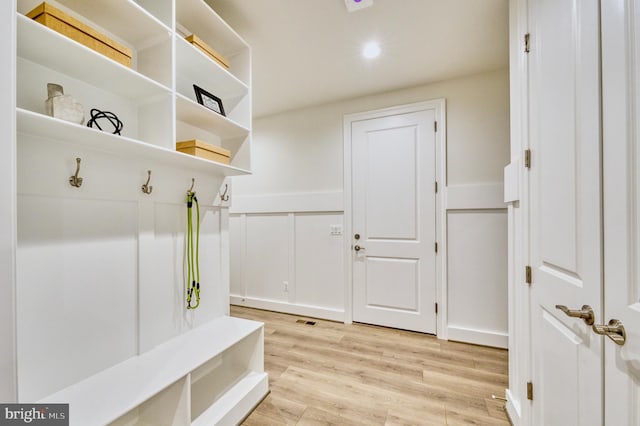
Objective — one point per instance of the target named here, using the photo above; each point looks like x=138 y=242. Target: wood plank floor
x=335 y=374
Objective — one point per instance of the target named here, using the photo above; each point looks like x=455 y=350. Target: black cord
x=96 y=114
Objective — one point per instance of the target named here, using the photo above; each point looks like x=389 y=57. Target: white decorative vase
x=64 y=107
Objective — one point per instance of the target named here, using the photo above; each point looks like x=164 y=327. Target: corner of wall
x=8 y=349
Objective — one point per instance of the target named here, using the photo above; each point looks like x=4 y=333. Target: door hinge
x=527 y=45
x=436 y=308
x=530 y=391
x=435 y=126
x=436 y=187
x=527 y=158
x=527 y=274
x=436 y=247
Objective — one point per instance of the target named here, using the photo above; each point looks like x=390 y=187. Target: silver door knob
x=586 y=313
x=614 y=331
x=358 y=248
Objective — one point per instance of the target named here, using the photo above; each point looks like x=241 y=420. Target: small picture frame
x=208 y=100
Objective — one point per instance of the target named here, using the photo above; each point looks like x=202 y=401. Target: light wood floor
x=336 y=374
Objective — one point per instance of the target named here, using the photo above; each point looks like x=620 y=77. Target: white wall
x=8 y=388
x=301 y=150
x=88 y=314
x=298 y=168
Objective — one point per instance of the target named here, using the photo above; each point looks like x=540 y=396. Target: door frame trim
x=439 y=107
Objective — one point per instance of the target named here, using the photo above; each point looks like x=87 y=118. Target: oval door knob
x=614 y=331
x=358 y=248
x=586 y=313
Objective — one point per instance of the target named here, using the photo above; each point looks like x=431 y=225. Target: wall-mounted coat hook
x=224 y=196
x=193 y=182
x=76 y=180
x=146 y=188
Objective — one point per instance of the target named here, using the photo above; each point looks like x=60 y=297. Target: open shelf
x=39 y=44
x=243 y=396
x=202 y=20
x=110 y=394
x=125 y=20
x=169 y=407
x=194 y=67
x=199 y=116
x=47 y=127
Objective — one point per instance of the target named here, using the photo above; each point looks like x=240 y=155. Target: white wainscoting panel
x=237 y=225
x=266 y=268
x=288 y=262
x=319 y=269
x=162 y=274
x=477 y=276
x=76 y=315
x=271 y=247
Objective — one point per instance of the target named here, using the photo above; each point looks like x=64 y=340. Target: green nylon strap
x=193 y=263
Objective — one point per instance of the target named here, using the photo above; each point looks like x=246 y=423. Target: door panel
x=398 y=219
x=565 y=210
x=621 y=159
x=563 y=351
x=393 y=167
x=403 y=272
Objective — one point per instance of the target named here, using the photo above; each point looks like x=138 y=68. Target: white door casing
x=565 y=210
x=393 y=201
x=621 y=180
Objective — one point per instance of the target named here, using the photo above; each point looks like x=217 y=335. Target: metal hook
x=193 y=182
x=75 y=180
x=146 y=188
x=224 y=196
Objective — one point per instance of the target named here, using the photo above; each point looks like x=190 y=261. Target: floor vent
x=300 y=321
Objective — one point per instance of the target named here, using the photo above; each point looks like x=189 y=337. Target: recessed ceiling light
x=371 y=50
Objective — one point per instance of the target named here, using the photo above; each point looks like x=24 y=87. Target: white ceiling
x=308 y=52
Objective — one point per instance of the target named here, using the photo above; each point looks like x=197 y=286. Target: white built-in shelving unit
x=100 y=268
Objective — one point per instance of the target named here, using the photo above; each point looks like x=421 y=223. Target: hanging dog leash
x=193 y=267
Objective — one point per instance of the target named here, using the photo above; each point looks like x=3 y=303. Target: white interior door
x=621 y=161
x=565 y=210
x=393 y=199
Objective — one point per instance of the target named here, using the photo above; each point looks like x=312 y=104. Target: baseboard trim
x=478 y=337
x=513 y=409
x=289 y=308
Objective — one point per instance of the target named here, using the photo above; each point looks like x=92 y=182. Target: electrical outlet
x=285 y=286
x=336 y=229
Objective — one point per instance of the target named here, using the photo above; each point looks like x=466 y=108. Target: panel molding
x=289 y=308
x=325 y=201
x=290 y=293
